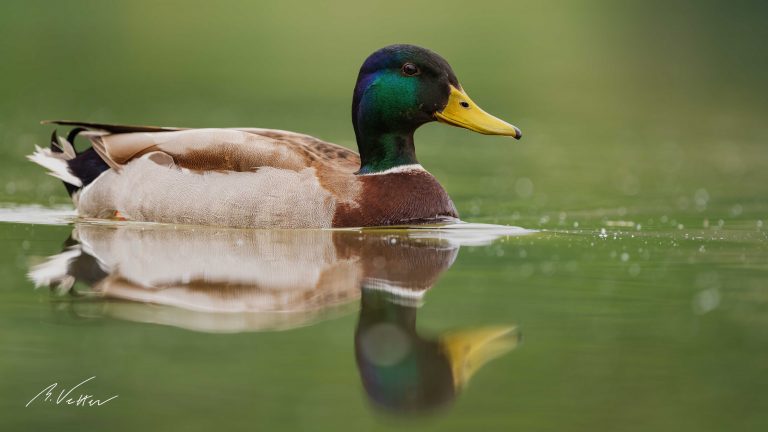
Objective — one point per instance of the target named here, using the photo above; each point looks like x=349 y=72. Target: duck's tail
x=76 y=170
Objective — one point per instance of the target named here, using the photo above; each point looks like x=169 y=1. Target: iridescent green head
x=401 y=87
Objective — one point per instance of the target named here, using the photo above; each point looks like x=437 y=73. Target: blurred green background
x=646 y=118
x=634 y=105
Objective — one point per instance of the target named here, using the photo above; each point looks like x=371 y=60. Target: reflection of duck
x=218 y=280
x=248 y=279
x=226 y=280
x=270 y=178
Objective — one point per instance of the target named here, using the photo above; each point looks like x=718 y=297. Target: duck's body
x=252 y=178
x=268 y=178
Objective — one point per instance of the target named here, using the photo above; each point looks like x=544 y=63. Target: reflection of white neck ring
x=400 y=295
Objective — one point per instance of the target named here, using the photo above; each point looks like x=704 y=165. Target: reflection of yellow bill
x=469 y=350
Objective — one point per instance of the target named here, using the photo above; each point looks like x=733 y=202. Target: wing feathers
x=235 y=149
x=98 y=144
x=112 y=128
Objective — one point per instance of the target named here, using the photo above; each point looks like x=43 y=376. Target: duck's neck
x=383 y=130
x=382 y=151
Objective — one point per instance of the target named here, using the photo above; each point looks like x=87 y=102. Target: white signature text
x=67 y=398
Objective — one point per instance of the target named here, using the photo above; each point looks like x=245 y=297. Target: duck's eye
x=410 y=69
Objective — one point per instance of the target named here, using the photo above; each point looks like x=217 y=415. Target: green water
x=640 y=302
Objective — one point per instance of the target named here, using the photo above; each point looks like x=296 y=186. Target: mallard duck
x=266 y=178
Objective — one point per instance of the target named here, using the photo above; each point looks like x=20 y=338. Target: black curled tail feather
x=76 y=170
x=86 y=165
x=72 y=135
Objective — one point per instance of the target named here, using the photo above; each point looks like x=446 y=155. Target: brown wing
x=315 y=149
x=236 y=149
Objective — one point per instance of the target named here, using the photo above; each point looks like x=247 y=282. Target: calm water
x=452 y=329
x=640 y=301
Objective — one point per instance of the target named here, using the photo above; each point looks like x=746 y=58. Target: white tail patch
x=56 y=164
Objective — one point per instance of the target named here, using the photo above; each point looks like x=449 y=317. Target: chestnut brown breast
x=394 y=199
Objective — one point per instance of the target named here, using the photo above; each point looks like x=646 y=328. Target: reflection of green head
x=403 y=372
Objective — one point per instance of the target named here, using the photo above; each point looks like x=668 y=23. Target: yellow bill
x=462 y=112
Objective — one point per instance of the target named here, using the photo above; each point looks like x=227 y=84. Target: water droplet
x=474 y=209
x=624 y=257
x=706 y=301
x=736 y=210
x=524 y=187
x=384 y=344
x=630 y=185
x=527 y=270
x=701 y=198
x=547 y=267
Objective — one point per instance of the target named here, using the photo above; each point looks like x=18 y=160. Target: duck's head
x=401 y=87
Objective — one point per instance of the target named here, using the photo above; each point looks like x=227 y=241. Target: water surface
x=379 y=329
